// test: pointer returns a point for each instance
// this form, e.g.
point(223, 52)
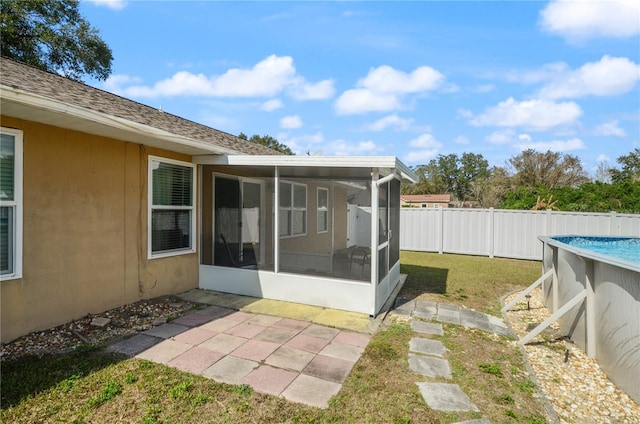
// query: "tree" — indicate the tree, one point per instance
point(490, 192)
point(630, 168)
point(429, 180)
point(268, 141)
point(451, 174)
point(603, 173)
point(52, 35)
point(551, 170)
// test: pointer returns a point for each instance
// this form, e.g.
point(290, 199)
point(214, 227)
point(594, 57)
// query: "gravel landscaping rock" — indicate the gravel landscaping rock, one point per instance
point(123, 321)
point(573, 383)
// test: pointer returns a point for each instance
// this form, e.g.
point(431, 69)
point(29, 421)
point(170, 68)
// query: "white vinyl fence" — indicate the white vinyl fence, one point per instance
point(503, 233)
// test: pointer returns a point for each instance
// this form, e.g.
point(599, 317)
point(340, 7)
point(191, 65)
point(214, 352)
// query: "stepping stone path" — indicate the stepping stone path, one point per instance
point(428, 357)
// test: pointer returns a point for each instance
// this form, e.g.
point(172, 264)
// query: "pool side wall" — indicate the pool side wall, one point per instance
point(616, 307)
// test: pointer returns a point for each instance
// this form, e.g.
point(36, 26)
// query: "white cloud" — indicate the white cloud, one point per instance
point(545, 73)
point(610, 128)
point(420, 156)
point(350, 148)
point(271, 105)
point(554, 146)
point(577, 21)
point(536, 115)
point(603, 158)
point(292, 121)
point(424, 148)
point(308, 91)
point(115, 82)
point(608, 77)
point(384, 87)
point(524, 137)
point(111, 4)
point(357, 101)
point(390, 121)
point(267, 78)
point(302, 144)
point(501, 137)
point(385, 79)
point(425, 141)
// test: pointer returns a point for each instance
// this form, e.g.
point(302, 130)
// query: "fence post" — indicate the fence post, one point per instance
point(491, 232)
point(441, 230)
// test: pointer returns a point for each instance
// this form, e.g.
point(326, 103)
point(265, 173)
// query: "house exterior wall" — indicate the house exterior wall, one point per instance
point(84, 231)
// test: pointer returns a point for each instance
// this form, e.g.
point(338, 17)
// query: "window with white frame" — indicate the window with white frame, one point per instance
point(323, 210)
point(171, 207)
point(10, 203)
point(293, 209)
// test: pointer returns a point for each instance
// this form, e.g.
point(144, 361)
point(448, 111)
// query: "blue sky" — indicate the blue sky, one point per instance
point(409, 79)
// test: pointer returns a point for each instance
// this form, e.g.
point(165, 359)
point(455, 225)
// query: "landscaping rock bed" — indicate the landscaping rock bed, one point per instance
point(574, 384)
point(123, 321)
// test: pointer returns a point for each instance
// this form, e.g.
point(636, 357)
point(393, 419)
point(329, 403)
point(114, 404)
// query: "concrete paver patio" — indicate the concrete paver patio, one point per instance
point(302, 361)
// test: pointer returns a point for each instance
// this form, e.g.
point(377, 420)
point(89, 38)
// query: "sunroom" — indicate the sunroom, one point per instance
point(316, 230)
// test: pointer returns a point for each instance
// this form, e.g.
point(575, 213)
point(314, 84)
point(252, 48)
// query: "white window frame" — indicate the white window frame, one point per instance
point(15, 204)
point(322, 209)
point(292, 208)
point(152, 207)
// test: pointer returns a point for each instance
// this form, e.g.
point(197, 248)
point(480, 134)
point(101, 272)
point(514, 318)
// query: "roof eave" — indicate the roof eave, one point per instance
point(24, 105)
point(390, 163)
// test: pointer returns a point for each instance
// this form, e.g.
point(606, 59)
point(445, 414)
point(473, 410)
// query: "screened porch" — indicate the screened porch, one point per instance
point(315, 230)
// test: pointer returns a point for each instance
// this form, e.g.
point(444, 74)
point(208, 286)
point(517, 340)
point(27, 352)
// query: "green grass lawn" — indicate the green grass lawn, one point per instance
point(90, 385)
point(475, 282)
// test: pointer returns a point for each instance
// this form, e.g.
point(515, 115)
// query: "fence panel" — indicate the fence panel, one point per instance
point(420, 230)
point(516, 233)
point(503, 233)
point(466, 231)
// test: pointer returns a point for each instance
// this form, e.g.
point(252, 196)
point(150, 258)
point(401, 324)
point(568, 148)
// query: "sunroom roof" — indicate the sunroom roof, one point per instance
point(339, 167)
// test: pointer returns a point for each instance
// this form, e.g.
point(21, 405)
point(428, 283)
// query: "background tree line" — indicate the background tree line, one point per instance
point(533, 180)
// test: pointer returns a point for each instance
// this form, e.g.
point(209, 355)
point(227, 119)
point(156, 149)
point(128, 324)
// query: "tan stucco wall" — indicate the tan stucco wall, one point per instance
point(84, 231)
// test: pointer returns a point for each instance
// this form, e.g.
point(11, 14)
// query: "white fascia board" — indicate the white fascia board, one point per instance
point(390, 163)
point(131, 127)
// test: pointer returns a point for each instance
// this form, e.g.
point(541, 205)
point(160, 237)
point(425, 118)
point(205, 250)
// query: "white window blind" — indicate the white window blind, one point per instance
point(172, 207)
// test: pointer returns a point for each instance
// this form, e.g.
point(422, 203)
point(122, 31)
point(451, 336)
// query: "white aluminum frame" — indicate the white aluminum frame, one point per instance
point(16, 203)
point(151, 207)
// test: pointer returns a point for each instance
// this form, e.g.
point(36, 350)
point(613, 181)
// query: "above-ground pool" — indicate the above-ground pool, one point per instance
point(601, 276)
point(625, 248)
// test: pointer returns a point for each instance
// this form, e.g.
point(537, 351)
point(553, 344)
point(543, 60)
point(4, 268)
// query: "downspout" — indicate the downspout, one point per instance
point(385, 179)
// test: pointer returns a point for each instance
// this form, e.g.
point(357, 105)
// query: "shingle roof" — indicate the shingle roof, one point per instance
point(61, 89)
